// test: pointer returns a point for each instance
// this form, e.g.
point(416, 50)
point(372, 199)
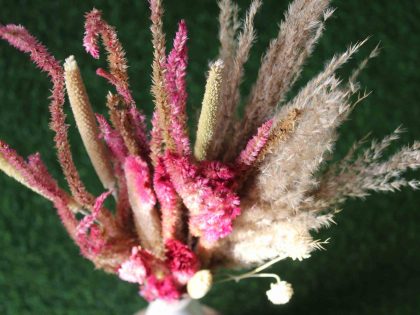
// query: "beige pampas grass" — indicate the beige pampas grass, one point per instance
point(207, 121)
point(234, 61)
point(86, 123)
point(282, 63)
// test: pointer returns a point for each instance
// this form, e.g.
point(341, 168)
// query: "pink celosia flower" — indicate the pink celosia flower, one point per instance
point(176, 66)
point(95, 26)
point(165, 288)
point(134, 270)
point(181, 261)
point(212, 203)
point(254, 146)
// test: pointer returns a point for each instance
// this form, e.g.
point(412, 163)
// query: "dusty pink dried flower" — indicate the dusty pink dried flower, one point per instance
point(181, 261)
point(165, 289)
point(213, 205)
point(176, 70)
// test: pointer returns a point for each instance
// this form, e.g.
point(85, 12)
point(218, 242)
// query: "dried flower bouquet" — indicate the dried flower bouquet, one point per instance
point(250, 191)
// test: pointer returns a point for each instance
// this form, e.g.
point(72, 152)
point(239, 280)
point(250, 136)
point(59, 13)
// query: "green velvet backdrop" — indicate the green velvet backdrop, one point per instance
point(371, 265)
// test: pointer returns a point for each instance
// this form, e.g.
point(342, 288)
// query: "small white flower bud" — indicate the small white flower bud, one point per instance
point(200, 284)
point(280, 292)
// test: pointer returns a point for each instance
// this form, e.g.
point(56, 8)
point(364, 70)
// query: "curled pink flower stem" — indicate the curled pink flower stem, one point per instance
point(20, 38)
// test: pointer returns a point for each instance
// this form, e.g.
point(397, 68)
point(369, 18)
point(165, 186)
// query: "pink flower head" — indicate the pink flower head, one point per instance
point(134, 269)
point(181, 261)
point(164, 288)
point(213, 205)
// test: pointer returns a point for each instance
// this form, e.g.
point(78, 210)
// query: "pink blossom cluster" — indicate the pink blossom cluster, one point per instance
point(160, 278)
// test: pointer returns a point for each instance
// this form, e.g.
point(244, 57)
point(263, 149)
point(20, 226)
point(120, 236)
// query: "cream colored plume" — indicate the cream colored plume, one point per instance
point(86, 123)
point(207, 121)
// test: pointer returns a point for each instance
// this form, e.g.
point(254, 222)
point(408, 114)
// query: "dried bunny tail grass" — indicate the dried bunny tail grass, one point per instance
point(356, 177)
point(20, 38)
point(86, 123)
point(232, 76)
point(281, 65)
point(158, 69)
point(207, 121)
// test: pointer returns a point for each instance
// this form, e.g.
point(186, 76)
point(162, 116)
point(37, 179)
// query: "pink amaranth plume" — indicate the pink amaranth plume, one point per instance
point(19, 37)
point(89, 235)
point(254, 146)
point(213, 205)
point(95, 26)
point(119, 152)
point(181, 261)
point(36, 176)
point(176, 66)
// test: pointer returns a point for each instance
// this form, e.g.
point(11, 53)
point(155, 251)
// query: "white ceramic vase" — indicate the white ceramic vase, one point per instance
point(184, 306)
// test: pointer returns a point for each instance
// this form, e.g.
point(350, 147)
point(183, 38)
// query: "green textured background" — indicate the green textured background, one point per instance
point(371, 265)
